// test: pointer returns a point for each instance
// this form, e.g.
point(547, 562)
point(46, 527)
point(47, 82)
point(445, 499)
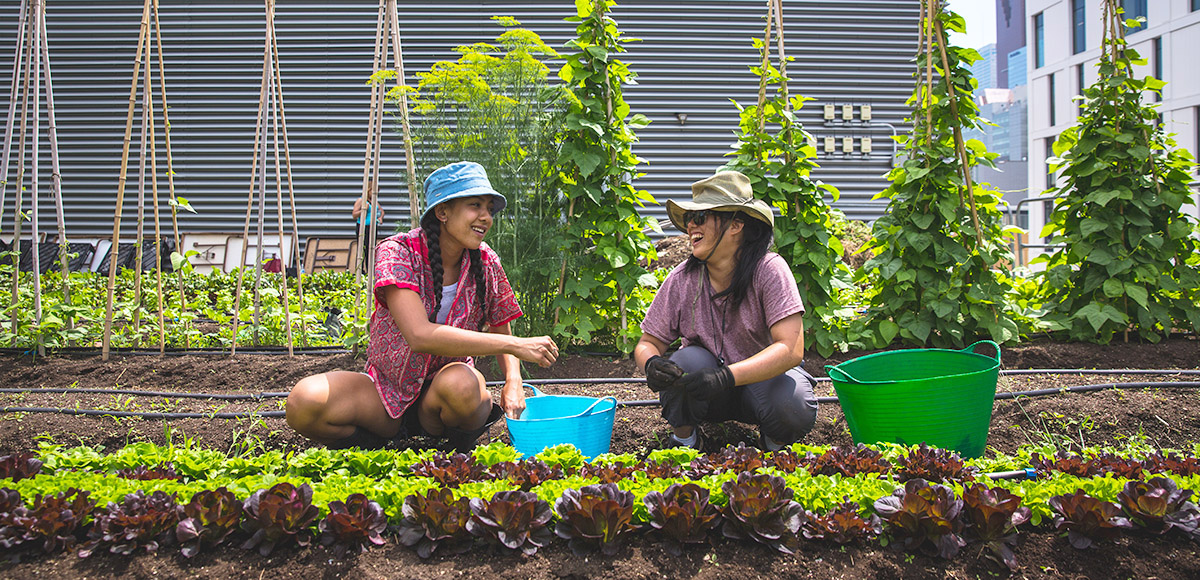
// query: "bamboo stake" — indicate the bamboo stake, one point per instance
point(410, 163)
point(762, 79)
point(12, 107)
point(783, 90)
point(17, 223)
point(258, 246)
point(277, 100)
point(139, 238)
point(258, 134)
point(56, 178)
point(959, 145)
point(287, 157)
point(162, 83)
point(148, 105)
point(114, 250)
point(369, 211)
point(927, 47)
point(39, 13)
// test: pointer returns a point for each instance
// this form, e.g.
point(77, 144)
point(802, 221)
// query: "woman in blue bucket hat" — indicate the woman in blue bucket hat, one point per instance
point(737, 309)
point(441, 298)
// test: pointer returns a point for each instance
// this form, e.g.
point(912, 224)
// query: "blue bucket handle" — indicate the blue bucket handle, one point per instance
point(586, 411)
point(996, 347)
point(845, 378)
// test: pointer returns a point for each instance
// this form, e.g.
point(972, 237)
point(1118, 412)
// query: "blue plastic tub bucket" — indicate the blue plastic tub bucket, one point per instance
point(550, 420)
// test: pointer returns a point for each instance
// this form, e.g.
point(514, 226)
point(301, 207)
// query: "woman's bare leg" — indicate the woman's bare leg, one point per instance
point(329, 406)
point(457, 398)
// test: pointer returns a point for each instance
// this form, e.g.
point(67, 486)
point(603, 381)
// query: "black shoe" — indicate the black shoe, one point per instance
point(762, 444)
point(462, 441)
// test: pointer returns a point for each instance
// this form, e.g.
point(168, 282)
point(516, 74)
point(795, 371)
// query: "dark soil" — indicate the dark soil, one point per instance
point(1166, 417)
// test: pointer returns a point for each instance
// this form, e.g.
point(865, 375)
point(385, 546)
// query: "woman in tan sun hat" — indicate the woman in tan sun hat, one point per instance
point(737, 309)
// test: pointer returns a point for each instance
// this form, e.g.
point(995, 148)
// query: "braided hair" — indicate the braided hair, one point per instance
point(433, 234)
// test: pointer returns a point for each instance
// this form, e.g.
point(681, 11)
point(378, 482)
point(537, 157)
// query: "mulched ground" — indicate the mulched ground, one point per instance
point(1167, 417)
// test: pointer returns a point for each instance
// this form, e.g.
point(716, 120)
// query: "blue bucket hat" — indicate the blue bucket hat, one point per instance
point(461, 179)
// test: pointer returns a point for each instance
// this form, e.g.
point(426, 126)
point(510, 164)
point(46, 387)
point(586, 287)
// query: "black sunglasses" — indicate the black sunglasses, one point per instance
point(695, 217)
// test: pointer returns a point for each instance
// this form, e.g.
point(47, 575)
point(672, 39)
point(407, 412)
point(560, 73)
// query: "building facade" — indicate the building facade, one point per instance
point(692, 60)
point(1063, 38)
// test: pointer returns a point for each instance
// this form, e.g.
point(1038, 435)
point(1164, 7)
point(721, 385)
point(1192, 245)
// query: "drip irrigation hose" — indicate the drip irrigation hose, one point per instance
point(635, 403)
point(260, 350)
point(226, 397)
point(141, 415)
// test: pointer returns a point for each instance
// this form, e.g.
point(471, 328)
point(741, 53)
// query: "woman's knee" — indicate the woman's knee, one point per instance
point(789, 411)
point(460, 387)
point(306, 401)
point(693, 358)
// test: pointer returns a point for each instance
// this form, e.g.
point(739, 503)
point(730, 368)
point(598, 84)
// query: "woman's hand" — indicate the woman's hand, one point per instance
point(512, 398)
point(661, 373)
point(535, 349)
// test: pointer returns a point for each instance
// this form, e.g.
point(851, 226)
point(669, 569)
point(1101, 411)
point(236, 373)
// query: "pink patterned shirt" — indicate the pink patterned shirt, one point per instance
point(403, 261)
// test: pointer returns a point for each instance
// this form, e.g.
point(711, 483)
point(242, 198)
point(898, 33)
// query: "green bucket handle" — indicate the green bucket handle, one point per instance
point(971, 349)
point(845, 377)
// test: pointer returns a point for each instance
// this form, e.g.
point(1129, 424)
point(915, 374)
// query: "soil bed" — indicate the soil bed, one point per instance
point(1166, 417)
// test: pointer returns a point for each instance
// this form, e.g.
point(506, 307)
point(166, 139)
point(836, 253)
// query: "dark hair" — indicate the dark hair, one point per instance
point(433, 234)
point(756, 241)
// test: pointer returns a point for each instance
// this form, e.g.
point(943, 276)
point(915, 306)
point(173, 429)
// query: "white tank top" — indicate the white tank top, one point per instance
point(447, 300)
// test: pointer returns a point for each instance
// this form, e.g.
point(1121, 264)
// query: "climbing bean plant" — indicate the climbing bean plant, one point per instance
point(1128, 261)
point(938, 247)
point(774, 151)
point(604, 243)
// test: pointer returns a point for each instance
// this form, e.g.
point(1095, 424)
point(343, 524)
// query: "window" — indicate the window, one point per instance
point(1158, 66)
point(1078, 26)
point(1053, 117)
point(1050, 176)
point(1039, 40)
point(1195, 5)
point(1135, 9)
point(1080, 87)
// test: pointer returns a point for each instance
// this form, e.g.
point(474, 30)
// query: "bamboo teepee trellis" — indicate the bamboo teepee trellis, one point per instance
point(143, 78)
point(387, 31)
point(270, 111)
point(32, 53)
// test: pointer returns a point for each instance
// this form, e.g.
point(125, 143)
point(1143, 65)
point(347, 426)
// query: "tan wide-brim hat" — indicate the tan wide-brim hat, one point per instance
point(724, 191)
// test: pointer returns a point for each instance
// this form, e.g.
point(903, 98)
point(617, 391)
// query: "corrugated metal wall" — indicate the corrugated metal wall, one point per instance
point(692, 59)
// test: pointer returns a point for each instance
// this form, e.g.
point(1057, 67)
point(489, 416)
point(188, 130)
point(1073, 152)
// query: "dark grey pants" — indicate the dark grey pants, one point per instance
point(784, 406)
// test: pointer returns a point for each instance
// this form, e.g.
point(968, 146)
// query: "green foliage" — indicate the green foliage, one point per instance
point(204, 320)
point(604, 243)
point(776, 153)
point(494, 106)
point(1129, 260)
point(938, 246)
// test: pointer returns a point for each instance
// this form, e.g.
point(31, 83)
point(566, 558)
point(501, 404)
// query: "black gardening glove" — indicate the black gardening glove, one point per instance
point(661, 373)
point(706, 384)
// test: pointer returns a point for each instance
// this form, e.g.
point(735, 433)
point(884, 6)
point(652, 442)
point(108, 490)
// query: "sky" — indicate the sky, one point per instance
point(981, 22)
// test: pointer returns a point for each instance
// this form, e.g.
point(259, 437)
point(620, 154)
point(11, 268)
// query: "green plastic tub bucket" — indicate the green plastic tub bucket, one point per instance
point(936, 396)
point(550, 420)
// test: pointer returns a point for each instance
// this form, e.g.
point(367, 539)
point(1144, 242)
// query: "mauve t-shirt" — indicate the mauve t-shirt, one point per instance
point(684, 308)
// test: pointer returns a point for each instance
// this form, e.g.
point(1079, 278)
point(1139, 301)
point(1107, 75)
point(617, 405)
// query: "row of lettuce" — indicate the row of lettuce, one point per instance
point(920, 499)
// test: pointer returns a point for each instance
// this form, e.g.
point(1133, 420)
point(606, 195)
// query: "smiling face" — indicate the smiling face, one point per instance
point(705, 236)
point(465, 221)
